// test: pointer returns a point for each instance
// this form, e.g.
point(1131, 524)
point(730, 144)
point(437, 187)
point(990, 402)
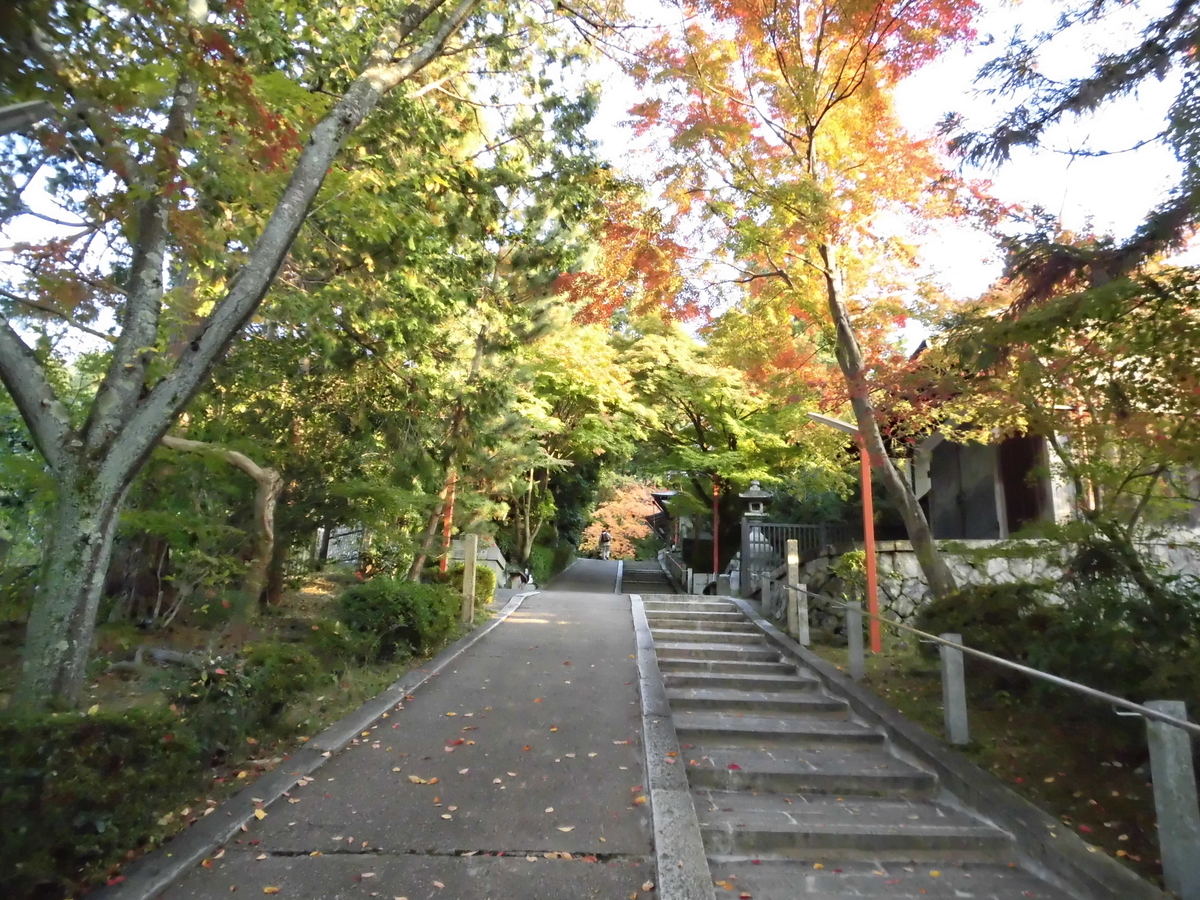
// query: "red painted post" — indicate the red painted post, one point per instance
point(716, 529)
point(869, 547)
point(447, 524)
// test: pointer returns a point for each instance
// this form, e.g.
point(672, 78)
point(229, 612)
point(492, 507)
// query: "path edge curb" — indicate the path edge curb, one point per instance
point(153, 873)
point(1048, 846)
point(681, 862)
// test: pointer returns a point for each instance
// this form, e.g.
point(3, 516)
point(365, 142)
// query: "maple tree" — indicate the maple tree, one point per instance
point(196, 143)
point(782, 136)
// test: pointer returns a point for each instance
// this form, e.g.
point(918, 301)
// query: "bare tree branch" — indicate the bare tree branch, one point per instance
point(59, 314)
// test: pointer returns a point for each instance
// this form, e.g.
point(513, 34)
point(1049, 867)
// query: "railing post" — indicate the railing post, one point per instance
point(954, 691)
point(1175, 800)
point(747, 566)
point(470, 552)
point(797, 603)
point(854, 635)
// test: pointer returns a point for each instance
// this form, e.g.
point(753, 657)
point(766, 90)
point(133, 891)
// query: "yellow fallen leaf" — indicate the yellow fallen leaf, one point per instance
point(648, 886)
point(724, 884)
point(415, 779)
point(818, 866)
point(934, 873)
point(260, 814)
point(395, 768)
point(93, 709)
point(366, 734)
point(271, 890)
point(638, 801)
point(452, 714)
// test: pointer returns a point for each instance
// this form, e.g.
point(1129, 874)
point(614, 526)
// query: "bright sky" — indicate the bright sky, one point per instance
point(1111, 192)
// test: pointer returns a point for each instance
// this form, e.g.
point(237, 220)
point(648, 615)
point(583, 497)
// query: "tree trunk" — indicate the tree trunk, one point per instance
point(431, 527)
point(849, 355)
point(269, 483)
point(58, 640)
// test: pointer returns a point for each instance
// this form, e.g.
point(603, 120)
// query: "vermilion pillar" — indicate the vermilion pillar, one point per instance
point(869, 547)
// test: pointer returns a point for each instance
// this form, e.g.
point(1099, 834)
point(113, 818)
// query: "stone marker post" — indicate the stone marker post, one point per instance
point(797, 599)
point(1175, 800)
point(954, 691)
point(858, 665)
point(470, 552)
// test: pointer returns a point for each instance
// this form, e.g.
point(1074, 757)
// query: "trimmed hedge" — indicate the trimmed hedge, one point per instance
point(76, 791)
point(402, 616)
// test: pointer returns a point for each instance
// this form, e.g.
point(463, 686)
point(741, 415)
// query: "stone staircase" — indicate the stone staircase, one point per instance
point(797, 799)
point(645, 578)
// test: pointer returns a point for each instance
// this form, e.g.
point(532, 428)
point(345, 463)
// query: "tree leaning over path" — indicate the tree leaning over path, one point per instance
point(779, 117)
point(145, 389)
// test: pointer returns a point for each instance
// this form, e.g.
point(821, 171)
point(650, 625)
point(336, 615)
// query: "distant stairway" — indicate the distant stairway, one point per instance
point(797, 799)
point(645, 578)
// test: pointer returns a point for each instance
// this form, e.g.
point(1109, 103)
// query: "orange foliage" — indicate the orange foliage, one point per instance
point(625, 518)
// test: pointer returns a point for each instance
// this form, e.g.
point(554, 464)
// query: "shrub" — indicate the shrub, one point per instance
point(401, 615)
point(564, 553)
point(541, 564)
point(77, 791)
point(485, 580)
point(337, 647)
point(1006, 620)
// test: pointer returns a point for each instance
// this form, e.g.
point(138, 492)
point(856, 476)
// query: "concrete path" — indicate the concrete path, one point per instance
point(526, 750)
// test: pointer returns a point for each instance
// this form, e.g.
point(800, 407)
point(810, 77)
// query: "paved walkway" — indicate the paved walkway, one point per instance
point(527, 748)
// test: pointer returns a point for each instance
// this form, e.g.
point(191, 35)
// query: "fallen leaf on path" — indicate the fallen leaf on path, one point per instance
point(549, 809)
point(260, 814)
point(531, 859)
point(590, 755)
point(724, 884)
point(455, 742)
point(261, 856)
point(395, 768)
point(496, 781)
point(271, 890)
point(447, 816)
point(207, 863)
point(416, 779)
point(818, 866)
point(934, 873)
point(638, 801)
point(512, 774)
point(554, 728)
point(538, 700)
point(566, 827)
point(433, 781)
point(734, 767)
point(620, 742)
point(648, 886)
point(569, 755)
point(438, 884)
point(452, 714)
point(464, 771)
point(367, 875)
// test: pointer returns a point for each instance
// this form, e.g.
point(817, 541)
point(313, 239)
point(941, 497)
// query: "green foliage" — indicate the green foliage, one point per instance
point(337, 647)
point(1002, 619)
point(485, 580)
point(77, 791)
point(541, 564)
point(1103, 631)
point(401, 616)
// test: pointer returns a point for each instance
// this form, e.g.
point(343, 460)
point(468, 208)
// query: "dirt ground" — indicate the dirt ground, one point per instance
point(1075, 759)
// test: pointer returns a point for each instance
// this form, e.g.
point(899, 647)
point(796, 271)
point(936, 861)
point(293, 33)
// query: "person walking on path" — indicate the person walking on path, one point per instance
point(605, 544)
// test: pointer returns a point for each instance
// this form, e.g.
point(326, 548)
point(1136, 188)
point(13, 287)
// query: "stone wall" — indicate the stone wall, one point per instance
point(902, 588)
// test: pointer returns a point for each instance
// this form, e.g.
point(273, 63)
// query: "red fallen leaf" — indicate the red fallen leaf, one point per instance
point(1086, 829)
point(470, 728)
point(590, 859)
point(256, 841)
point(744, 895)
point(526, 747)
point(734, 767)
point(755, 862)
point(1019, 780)
point(116, 879)
point(640, 787)
point(537, 700)
point(892, 881)
point(567, 663)
point(456, 742)
point(839, 871)
point(207, 863)
point(688, 746)
point(220, 671)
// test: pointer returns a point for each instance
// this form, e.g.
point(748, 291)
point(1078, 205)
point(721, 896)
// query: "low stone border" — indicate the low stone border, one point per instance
point(678, 847)
point(620, 576)
point(1049, 848)
point(153, 873)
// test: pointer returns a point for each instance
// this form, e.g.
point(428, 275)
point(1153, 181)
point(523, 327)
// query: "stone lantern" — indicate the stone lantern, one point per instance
point(756, 501)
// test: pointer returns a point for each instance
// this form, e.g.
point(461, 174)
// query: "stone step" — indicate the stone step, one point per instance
point(862, 772)
point(738, 679)
point(671, 666)
point(764, 732)
point(668, 604)
point(704, 650)
point(797, 701)
point(721, 614)
point(703, 635)
point(708, 623)
point(808, 827)
point(843, 879)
